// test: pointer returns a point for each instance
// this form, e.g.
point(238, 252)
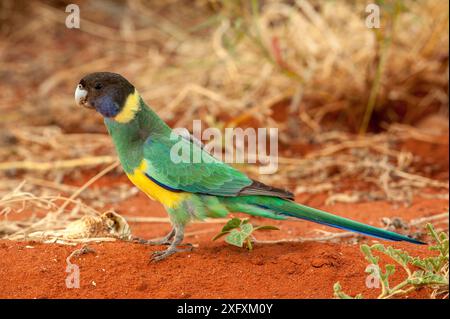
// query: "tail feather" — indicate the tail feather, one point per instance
point(292, 209)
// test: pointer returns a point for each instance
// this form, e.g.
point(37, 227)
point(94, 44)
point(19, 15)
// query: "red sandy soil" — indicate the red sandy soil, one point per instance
point(213, 269)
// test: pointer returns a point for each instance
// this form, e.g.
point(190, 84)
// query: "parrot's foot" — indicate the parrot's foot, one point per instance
point(157, 242)
point(160, 255)
point(173, 248)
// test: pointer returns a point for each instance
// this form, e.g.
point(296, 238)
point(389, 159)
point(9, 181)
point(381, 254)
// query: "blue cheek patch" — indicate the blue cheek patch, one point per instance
point(106, 106)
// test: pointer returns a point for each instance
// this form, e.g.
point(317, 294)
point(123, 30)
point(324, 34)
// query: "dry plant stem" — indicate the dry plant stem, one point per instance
point(58, 164)
point(386, 43)
point(374, 90)
point(49, 184)
point(76, 241)
point(407, 131)
point(48, 200)
point(78, 252)
point(87, 184)
point(88, 26)
point(434, 218)
point(307, 239)
point(397, 290)
point(49, 203)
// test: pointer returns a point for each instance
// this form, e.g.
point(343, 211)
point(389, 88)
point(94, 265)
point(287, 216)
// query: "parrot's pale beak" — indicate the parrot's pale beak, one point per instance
point(81, 96)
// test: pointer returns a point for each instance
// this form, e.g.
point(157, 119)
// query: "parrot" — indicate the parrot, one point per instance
point(190, 190)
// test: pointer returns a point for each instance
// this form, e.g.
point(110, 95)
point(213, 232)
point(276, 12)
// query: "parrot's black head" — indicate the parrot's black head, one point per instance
point(105, 92)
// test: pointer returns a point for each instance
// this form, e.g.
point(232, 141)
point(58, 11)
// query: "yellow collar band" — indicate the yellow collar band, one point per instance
point(131, 107)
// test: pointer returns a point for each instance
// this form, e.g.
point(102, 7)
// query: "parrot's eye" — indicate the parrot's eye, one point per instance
point(98, 86)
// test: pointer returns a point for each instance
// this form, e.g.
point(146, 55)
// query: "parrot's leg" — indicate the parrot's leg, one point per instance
point(173, 248)
point(166, 240)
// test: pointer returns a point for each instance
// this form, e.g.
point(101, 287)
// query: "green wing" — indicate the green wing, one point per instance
point(174, 164)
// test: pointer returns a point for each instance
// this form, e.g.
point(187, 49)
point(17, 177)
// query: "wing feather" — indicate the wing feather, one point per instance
point(209, 176)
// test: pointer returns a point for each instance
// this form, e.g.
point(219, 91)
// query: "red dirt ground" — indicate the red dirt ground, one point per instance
point(213, 269)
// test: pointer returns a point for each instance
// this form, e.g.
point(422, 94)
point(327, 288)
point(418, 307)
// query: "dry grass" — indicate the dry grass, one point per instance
point(217, 58)
point(370, 159)
point(310, 68)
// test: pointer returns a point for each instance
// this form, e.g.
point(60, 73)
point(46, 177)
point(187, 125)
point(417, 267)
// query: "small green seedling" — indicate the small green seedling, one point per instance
point(430, 271)
point(239, 232)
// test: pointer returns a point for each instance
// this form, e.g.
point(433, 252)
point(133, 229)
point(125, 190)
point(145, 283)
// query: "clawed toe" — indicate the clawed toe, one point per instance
point(162, 254)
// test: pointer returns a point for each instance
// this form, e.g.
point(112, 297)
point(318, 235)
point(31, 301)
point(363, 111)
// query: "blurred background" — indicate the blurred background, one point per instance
point(362, 112)
point(231, 62)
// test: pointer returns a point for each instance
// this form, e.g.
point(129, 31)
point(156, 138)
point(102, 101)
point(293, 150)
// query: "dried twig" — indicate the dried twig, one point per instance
point(61, 164)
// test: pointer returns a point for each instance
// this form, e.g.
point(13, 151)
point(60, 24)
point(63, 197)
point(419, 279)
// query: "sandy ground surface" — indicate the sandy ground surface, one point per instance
point(215, 269)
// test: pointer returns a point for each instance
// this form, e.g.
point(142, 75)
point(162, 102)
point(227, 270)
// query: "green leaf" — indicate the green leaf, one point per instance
point(231, 224)
point(432, 271)
point(399, 256)
point(433, 233)
point(427, 278)
point(235, 238)
point(246, 230)
point(338, 293)
point(390, 270)
point(366, 250)
point(379, 247)
point(238, 237)
point(222, 233)
point(423, 264)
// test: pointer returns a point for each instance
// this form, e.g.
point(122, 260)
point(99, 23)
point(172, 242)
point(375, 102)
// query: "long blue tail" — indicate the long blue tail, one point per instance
point(277, 208)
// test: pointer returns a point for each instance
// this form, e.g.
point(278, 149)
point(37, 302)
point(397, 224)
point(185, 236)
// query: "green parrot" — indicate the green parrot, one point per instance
point(189, 190)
